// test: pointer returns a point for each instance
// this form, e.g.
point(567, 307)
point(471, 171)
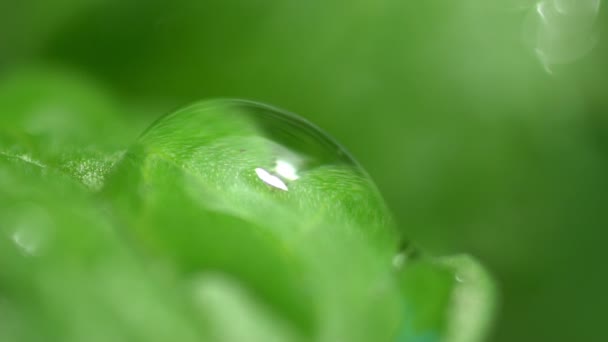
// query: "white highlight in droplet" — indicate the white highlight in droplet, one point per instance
point(286, 170)
point(270, 179)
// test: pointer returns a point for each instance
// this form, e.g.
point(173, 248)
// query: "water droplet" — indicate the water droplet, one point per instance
point(407, 252)
point(256, 193)
point(30, 228)
point(399, 260)
point(243, 152)
point(562, 31)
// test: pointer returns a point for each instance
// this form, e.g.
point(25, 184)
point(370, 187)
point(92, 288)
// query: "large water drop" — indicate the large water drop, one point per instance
point(265, 198)
point(562, 31)
point(251, 159)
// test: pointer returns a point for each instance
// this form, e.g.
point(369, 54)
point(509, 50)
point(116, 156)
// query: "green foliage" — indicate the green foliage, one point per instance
point(175, 237)
point(477, 141)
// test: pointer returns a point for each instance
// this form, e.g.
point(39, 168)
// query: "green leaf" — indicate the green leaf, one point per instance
point(66, 275)
point(62, 119)
point(189, 240)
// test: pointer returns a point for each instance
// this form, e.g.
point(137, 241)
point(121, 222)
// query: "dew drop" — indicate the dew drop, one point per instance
point(251, 157)
point(407, 252)
point(399, 260)
point(562, 31)
point(256, 193)
point(30, 228)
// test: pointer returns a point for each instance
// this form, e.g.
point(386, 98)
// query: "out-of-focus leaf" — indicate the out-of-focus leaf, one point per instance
point(54, 108)
point(66, 275)
point(188, 241)
point(64, 120)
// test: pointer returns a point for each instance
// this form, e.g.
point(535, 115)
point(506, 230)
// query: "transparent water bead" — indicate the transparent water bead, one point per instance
point(253, 158)
point(562, 31)
point(253, 193)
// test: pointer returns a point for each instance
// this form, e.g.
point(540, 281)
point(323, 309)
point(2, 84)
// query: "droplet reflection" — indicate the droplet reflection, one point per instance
point(562, 31)
point(31, 226)
point(286, 170)
point(255, 193)
point(399, 260)
point(270, 179)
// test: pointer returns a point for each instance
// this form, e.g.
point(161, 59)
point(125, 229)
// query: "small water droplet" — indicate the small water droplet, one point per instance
point(399, 260)
point(406, 253)
point(562, 31)
point(459, 278)
point(31, 227)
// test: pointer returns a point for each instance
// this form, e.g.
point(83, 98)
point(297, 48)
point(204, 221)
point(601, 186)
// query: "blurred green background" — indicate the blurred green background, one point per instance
point(484, 122)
